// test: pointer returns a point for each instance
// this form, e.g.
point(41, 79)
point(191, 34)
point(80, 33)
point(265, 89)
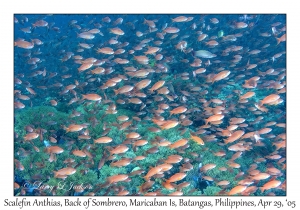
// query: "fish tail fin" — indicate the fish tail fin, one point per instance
point(278, 40)
point(66, 129)
point(206, 122)
point(261, 73)
point(134, 148)
point(194, 74)
point(262, 189)
point(54, 157)
point(161, 127)
point(116, 92)
point(55, 174)
point(222, 192)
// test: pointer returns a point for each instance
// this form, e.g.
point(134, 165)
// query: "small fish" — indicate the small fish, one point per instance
point(270, 185)
point(237, 190)
point(176, 177)
point(178, 143)
point(197, 139)
point(64, 172)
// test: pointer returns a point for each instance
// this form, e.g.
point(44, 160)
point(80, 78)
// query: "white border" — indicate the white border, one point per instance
point(119, 6)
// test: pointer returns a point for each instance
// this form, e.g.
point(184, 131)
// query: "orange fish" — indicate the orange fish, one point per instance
point(178, 110)
point(234, 136)
point(169, 124)
point(157, 85)
point(171, 30)
point(213, 118)
point(281, 39)
point(121, 163)
point(24, 44)
point(180, 19)
point(179, 143)
point(207, 167)
point(86, 35)
point(117, 178)
point(64, 172)
point(140, 74)
point(132, 135)
point(124, 89)
point(18, 105)
point(168, 185)
point(249, 190)
point(74, 128)
point(85, 66)
point(78, 153)
point(140, 143)
point(223, 183)
point(31, 136)
point(176, 193)
point(273, 171)
point(105, 50)
point(152, 50)
point(53, 103)
point(19, 165)
point(173, 159)
point(236, 190)
point(142, 84)
point(119, 149)
point(270, 185)
point(165, 167)
point(240, 25)
point(261, 108)
point(281, 144)
point(197, 139)
point(103, 140)
point(260, 176)
point(152, 172)
point(116, 31)
point(92, 97)
point(220, 76)
point(269, 99)
point(176, 177)
point(142, 59)
point(264, 130)
point(98, 70)
point(54, 149)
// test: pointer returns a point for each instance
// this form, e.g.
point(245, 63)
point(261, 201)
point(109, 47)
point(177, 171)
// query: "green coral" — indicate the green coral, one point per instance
point(38, 116)
point(152, 62)
point(211, 190)
point(89, 175)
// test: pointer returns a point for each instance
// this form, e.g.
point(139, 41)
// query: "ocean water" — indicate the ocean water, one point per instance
point(154, 104)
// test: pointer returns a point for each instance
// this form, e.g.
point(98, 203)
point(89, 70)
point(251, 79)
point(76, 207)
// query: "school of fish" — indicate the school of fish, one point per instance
point(150, 104)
